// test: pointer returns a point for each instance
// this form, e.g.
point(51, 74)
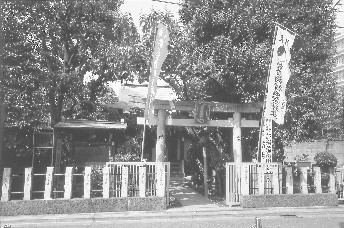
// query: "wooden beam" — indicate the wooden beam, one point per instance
point(215, 106)
point(191, 122)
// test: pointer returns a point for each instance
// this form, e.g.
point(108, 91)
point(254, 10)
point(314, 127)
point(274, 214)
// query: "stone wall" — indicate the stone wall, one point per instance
point(72, 206)
point(312, 148)
point(293, 200)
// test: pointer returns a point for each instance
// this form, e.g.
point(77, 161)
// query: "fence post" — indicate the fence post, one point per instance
point(160, 179)
point(6, 184)
point(275, 180)
point(106, 182)
point(28, 183)
point(87, 182)
point(167, 164)
point(48, 183)
point(205, 172)
point(280, 178)
point(289, 184)
point(245, 181)
point(142, 181)
point(317, 179)
point(124, 189)
point(68, 183)
point(260, 175)
point(227, 183)
point(331, 183)
point(303, 180)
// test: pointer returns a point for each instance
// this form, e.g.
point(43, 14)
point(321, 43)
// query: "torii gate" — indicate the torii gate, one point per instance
point(236, 122)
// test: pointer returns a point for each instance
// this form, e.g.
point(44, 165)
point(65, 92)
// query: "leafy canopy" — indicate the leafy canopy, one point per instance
point(58, 56)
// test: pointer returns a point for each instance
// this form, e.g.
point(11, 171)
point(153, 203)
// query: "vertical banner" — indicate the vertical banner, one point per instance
point(279, 75)
point(266, 145)
point(159, 54)
point(275, 103)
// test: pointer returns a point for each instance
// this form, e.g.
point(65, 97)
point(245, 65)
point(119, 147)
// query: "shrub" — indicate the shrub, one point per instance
point(325, 159)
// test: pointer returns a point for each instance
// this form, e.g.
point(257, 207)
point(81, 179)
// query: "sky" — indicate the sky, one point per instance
point(340, 16)
point(137, 7)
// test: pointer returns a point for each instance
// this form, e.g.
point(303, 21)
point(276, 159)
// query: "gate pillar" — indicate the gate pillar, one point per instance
point(160, 134)
point(237, 150)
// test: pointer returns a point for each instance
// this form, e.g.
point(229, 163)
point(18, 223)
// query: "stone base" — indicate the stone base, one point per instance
point(284, 200)
point(72, 206)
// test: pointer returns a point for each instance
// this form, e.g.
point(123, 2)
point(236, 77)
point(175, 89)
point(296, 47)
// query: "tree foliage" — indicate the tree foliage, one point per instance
point(238, 35)
point(222, 53)
point(325, 159)
point(58, 55)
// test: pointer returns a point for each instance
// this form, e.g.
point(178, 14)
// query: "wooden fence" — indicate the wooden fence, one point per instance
point(134, 179)
point(269, 178)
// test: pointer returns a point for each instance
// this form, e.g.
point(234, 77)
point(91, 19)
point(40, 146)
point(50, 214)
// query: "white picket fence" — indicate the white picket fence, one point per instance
point(269, 178)
point(117, 179)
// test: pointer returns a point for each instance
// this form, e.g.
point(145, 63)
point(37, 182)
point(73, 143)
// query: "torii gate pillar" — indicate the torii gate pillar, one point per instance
point(237, 148)
point(160, 134)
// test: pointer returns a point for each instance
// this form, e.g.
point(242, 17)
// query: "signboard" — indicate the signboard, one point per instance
point(202, 112)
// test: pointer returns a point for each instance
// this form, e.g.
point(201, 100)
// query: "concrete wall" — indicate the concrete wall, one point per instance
point(312, 148)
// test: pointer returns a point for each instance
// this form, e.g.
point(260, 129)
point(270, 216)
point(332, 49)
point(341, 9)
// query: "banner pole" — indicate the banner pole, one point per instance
point(143, 140)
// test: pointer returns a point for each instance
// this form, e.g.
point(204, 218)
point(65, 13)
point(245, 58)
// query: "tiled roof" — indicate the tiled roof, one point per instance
point(134, 95)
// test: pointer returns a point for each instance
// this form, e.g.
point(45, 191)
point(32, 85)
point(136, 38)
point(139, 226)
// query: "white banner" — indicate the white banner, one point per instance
point(275, 106)
point(279, 75)
point(159, 54)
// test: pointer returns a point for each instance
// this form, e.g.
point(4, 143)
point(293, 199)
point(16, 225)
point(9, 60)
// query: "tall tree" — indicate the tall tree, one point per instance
point(52, 47)
point(236, 38)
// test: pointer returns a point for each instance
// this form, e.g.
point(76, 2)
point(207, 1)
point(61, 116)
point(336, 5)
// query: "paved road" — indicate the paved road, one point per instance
point(315, 219)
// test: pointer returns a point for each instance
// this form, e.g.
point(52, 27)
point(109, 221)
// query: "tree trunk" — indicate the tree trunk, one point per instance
point(219, 190)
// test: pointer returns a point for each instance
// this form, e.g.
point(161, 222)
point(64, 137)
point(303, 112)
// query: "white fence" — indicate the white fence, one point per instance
point(269, 178)
point(115, 179)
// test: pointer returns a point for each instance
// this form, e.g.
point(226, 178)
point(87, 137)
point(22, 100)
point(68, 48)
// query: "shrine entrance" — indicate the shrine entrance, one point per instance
point(202, 112)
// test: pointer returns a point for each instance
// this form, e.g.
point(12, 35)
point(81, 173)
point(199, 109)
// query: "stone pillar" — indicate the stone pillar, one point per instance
point(6, 184)
point(87, 182)
point(160, 133)
point(28, 184)
point(142, 181)
point(48, 183)
point(237, 150)
point(160, 179)
point(332, 181)
point(261, 179)
point(205, 172)
point(106, 182)
point(275, 180)
point(245, 179)
point(125, 176)
point(303, 180)
point(317, 179)
point(289, 180)
point(68, 183)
